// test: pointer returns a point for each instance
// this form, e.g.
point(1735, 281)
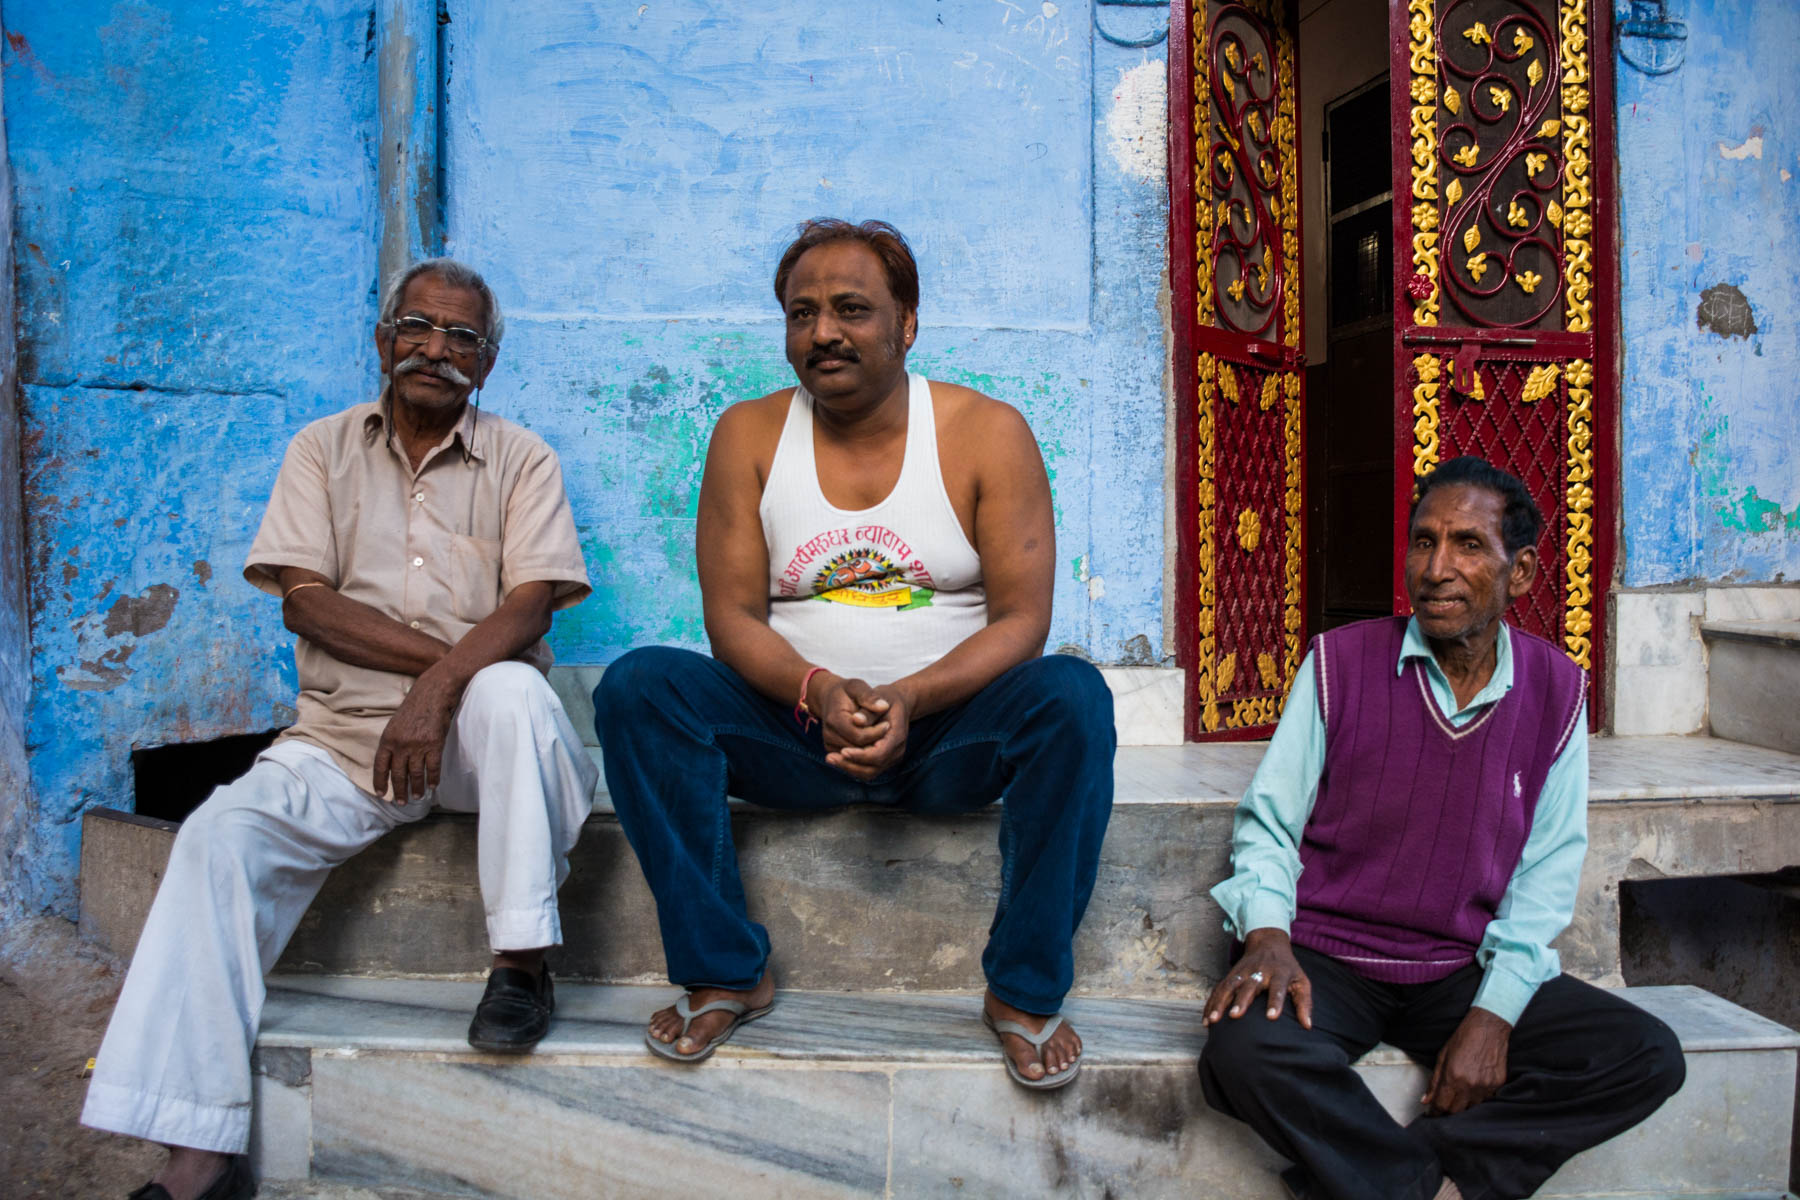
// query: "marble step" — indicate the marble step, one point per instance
point(1753, 680)
point(369, 1082)
point(873, 899)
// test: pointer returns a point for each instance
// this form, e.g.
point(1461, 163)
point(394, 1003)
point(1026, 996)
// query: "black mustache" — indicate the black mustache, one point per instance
point(843, 352)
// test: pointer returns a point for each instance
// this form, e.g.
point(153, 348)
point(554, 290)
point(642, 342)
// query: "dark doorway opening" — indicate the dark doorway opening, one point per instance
point(171, 781)
point(1737, 936)
point(1350, 396)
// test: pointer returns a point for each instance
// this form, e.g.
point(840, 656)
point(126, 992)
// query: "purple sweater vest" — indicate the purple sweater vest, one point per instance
point(1419, 825)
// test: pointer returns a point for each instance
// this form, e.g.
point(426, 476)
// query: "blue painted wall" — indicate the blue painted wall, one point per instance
point(1709, 182)
point(197, 230)
point(195, 237)
point(15, 633)
point(628, 175)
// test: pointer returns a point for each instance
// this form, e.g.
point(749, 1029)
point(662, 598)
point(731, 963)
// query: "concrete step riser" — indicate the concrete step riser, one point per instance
point(595, 1115)
point(1752, 679)
point(865, 899)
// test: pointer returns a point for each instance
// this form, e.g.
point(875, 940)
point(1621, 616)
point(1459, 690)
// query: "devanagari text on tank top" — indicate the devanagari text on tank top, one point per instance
point(879, 593)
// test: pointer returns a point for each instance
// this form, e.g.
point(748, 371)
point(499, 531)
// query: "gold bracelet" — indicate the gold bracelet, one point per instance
point(307, 584)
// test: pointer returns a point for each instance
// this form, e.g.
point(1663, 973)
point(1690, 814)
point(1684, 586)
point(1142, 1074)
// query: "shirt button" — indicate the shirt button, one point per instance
point(414, 624)
point(419, 496)
point(418, 562)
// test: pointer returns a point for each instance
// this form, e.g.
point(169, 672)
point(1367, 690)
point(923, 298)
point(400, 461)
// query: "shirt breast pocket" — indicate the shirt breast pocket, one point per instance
point(474, 576)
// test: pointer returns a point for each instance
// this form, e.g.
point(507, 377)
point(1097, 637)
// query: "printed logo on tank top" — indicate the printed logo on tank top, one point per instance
point(874, 568)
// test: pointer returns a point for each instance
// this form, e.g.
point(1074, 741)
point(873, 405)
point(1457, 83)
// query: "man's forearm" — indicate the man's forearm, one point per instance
point(504, 634)
point(767, 661)
point(352, 632)
point(973, 663)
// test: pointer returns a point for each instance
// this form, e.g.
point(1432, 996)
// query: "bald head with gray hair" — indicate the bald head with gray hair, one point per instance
point(456, 274)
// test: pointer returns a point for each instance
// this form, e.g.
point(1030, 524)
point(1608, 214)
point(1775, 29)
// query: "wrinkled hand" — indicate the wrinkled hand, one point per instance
point(411, 749)
point(1268, 965)
point(865, 728)
point(1471, 1066)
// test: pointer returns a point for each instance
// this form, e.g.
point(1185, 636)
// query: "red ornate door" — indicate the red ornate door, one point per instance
point(1235, 233)
point(1503, 278)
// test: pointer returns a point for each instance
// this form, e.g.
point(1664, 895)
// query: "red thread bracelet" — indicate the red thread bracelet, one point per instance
point(802, 714)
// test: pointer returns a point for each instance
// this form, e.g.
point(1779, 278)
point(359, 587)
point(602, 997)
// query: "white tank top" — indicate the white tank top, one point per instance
point(877, 594)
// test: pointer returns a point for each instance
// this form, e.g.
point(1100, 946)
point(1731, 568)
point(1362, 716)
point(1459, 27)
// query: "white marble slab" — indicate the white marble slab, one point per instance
point(1148, 704)
point(1768, 602)
point(1658, 663)
point(840, 1094)
point(345, 1014)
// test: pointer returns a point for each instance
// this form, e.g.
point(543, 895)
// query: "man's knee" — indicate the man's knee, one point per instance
point(1239, 1047)
point(1655, 1051)
point(1072, 692)
point(636, 682)
point(225, 829)
point(507, 687)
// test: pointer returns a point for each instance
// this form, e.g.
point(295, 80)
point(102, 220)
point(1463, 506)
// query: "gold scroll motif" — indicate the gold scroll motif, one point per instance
point(1578, 251)
point(1423, 61)
point(1203, 212)
point(1425, 413)
point(1578, 571)
point(1293, 564)
point(1286, 130)
point(1206, 372)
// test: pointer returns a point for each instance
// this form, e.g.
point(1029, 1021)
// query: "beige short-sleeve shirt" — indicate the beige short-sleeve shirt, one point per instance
point(437, 549)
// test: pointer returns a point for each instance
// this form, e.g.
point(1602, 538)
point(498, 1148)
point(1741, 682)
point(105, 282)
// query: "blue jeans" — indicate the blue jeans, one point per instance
point(681, 730)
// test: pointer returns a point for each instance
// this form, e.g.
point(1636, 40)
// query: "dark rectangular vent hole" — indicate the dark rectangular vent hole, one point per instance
point(171, 781)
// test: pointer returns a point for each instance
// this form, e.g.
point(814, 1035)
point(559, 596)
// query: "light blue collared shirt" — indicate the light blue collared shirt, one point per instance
point(1515, 950)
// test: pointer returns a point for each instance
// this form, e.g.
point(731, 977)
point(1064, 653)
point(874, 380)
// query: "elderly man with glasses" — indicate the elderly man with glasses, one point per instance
point(419, 546)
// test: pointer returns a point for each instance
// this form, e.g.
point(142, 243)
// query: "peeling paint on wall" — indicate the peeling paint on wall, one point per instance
point(1137, 125)
point(1725, 311)
point(1751, 147)
point(1711, 361)
point(210, 291)
point(214, 291)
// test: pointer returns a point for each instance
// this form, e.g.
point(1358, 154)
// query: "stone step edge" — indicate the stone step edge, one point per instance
point(606, 1021)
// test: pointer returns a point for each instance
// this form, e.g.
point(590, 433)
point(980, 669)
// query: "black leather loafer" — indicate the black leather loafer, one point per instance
point(236, 1183)
point(514, 1011)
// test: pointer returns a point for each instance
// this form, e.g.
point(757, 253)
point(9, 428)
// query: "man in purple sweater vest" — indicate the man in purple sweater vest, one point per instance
point(1408, 848)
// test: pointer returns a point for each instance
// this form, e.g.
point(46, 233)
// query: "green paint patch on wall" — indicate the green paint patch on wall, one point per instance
point(1750, 513)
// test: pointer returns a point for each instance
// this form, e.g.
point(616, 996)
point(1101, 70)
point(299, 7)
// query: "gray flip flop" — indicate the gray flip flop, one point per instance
point(740, 1011)
point(1037, 1040)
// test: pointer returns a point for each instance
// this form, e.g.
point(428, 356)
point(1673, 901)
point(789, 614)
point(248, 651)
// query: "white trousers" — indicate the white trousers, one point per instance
point(175, 1064)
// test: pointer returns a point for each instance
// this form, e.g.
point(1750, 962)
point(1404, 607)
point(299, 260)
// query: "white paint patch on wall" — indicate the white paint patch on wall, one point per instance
point(1752, 148)
point(1137, 127)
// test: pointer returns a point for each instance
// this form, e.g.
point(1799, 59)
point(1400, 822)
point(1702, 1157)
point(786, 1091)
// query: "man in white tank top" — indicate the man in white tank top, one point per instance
point(876, 557)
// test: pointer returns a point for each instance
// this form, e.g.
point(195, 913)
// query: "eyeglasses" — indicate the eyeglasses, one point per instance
point(417, 330)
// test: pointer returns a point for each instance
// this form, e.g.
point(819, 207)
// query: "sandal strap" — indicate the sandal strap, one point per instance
point(687, 1012)
point(1037, 1039)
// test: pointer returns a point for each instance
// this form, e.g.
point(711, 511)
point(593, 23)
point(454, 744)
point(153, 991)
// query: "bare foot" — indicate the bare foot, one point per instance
point(1059, 1053)
point(188, 1172)
point(665, 1024)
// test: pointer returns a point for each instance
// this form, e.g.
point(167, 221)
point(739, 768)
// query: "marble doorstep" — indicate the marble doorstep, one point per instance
point(839, 1094)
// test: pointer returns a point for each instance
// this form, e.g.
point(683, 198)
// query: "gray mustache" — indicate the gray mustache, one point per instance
point(443, 370)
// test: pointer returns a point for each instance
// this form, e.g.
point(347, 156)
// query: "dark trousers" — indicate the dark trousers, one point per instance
point(680, 730)
point(1582, 1066)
